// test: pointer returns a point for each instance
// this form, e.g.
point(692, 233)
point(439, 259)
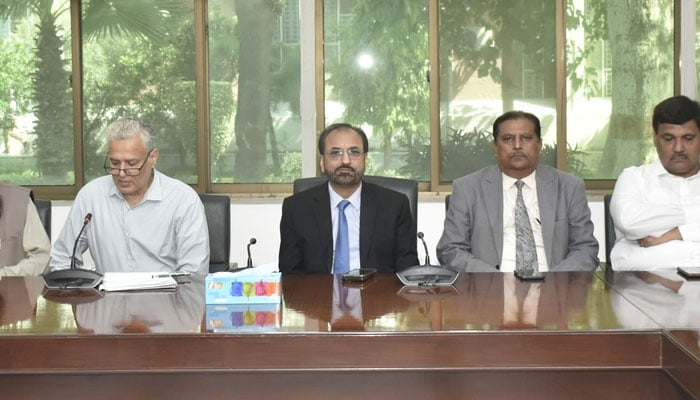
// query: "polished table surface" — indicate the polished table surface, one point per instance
point(606, 327)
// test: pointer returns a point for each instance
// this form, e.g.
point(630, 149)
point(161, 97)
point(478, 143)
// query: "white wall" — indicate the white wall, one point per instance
point(259, 218)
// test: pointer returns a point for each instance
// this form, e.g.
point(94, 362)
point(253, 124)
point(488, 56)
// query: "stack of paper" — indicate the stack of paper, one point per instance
point(118, 281)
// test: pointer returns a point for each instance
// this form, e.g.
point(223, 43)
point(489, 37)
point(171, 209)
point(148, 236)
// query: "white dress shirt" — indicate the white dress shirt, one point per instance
point(648, 201)
point(510, 194)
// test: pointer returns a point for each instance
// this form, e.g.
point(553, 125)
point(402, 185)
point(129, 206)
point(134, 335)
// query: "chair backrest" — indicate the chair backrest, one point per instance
point(609, 230)
point(408, 187)
point(218, 212)
point(43, 207)
point(447, 202)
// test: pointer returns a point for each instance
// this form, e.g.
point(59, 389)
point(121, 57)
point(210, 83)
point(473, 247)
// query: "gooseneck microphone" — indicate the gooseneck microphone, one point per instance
point(73, 278)
point(427, 275)
point(425, 246)
point(250, 259)
point(86, 221)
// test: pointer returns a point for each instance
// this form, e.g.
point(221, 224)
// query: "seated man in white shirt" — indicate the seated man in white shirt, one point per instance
point(142, 220)
point(656, 207)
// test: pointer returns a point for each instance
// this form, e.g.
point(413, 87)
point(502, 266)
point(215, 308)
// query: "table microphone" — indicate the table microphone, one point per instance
point(250, 259)
point(427, 275)
point(73, 278)
point(425, 246)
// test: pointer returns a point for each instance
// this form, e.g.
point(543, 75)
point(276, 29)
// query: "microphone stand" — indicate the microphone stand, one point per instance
point(425, 246)
point(249, 263)
point(73, 278)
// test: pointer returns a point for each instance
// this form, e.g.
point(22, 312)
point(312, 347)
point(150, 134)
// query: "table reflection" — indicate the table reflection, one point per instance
point(341, 306)
point(493, 301)
point(18, 298)
point(667, 298)
point(671, 301)
point(175, 311)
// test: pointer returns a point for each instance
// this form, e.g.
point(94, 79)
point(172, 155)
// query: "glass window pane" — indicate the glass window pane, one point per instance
point(495, 56)
point(36, 104)
point(138, 60)
point(376, 65)
point(254, 76)
point(620, 65)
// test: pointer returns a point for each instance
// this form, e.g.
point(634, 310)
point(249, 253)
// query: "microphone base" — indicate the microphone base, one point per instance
point(428, 275)
point(71, 279)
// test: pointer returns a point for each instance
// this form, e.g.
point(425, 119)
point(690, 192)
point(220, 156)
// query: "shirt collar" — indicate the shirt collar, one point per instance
point(154, 191)
point(354, 198)
point(509, 181)
point(658, 170)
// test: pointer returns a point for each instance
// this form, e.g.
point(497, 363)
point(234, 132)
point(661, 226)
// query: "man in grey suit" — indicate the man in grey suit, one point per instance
point(479, 232)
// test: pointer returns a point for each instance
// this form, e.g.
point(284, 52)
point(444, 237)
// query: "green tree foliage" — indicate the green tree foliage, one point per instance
point(639, 33)
point(16, 61)
point(518, 30)
point(392, 94)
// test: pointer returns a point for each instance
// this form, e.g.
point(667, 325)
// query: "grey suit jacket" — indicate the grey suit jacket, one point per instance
point(472, 239)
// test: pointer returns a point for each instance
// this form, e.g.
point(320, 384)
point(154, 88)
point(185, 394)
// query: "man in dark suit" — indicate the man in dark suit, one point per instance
point(380, 230)
point(480, 233)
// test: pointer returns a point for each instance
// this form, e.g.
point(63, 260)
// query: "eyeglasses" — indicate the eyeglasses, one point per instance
point(353, 153)
point(127, 171)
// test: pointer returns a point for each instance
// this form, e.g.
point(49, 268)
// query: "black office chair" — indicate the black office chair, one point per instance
point(43, 207)
point(408, 187)
point(447, 202)
point(610, 236)
point(218, 212)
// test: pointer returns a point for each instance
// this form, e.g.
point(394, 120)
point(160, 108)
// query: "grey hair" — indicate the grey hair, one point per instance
point(125, 128)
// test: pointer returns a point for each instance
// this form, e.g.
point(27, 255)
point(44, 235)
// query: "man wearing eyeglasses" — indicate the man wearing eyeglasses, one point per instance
point(378, 227)
point(142, 220)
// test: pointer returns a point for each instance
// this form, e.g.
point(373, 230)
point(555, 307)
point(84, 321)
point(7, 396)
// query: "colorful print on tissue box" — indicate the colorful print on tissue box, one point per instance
point(237, 288)
point(243, 317)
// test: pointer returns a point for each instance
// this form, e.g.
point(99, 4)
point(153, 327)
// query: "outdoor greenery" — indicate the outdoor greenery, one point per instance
point(138, 60)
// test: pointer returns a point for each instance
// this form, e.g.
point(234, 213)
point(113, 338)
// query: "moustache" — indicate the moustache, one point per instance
point(344, 171)
point(679, 156)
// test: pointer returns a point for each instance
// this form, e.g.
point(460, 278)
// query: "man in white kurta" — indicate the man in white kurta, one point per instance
point(656, 207)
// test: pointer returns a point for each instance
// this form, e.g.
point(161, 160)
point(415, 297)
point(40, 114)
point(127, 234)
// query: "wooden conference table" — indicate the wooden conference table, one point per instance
point(575, 335)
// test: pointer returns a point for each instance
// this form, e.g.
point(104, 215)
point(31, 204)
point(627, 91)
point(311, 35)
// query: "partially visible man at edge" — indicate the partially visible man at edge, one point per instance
point(656, 206)
point(142, 220)
point(24, 243)
point(381, 230)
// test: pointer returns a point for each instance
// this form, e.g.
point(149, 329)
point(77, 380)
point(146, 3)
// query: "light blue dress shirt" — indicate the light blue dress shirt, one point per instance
point(166, 232)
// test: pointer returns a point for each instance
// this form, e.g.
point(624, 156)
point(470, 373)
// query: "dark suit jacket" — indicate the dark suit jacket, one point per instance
point(472, 239)
point(387, 231)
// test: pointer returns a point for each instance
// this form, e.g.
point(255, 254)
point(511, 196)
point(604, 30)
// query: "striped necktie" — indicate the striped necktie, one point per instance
point(525, 251)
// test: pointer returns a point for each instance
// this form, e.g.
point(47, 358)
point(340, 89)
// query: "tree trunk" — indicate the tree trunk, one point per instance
point(632, 38)
point(53, 109)
point(256, 22)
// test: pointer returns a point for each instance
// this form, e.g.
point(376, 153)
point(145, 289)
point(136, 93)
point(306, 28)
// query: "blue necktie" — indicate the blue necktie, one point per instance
point(342, 243)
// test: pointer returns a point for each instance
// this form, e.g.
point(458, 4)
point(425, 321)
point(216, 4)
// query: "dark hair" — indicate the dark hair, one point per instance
point(676, 110)
point(341, 125)
point(510, 115)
